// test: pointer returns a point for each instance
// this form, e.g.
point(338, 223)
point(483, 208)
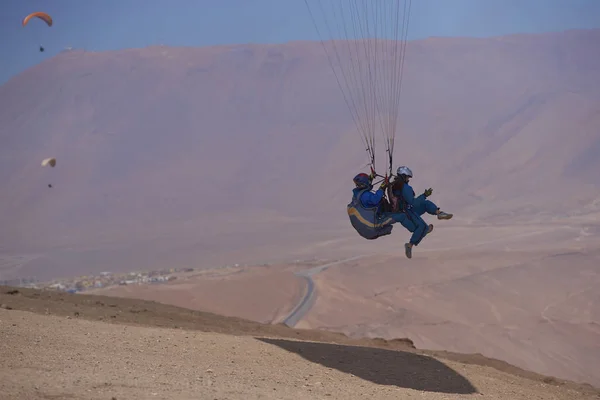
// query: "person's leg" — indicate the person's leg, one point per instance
point(425, 206)
point(443, 215)
point(404, 220)
point(429, 207)
point(414, 224)
point(421, 230)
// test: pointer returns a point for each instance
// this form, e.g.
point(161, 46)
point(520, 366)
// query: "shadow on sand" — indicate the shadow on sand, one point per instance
point(384, 367)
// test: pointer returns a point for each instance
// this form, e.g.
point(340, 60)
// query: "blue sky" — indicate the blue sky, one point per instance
point(116, 24)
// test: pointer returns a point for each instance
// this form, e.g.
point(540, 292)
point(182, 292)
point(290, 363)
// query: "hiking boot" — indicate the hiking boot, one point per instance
point(408, 250)
point(444, 215)
point(429, 229)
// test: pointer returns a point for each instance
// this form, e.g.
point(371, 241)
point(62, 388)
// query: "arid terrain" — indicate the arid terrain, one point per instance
point(210, 157)
point(260, 293)
point(536, 309)
point(527, 295)
point(58, 345)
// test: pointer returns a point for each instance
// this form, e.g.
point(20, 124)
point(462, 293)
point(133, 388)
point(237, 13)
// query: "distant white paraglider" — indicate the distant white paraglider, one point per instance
point(49, 161)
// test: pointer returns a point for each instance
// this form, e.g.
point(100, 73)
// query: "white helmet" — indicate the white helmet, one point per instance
point(404, 170)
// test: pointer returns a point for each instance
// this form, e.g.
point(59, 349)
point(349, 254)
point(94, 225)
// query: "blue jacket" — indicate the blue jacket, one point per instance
point(408, 195)
point(368, 198)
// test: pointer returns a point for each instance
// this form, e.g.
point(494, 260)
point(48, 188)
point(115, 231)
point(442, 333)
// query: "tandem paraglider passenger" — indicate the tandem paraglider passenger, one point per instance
point(403, 200)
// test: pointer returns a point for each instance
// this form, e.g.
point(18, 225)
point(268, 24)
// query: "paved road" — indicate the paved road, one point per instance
point(307, 301)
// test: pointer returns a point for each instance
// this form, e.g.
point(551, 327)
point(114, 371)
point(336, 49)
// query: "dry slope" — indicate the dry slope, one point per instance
point(203, 156)
point(68, 353)
point(532, 306)
point(264, 294)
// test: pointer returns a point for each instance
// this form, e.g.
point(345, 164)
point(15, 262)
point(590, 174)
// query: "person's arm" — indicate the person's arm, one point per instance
point(371, 199)
point(408, 194)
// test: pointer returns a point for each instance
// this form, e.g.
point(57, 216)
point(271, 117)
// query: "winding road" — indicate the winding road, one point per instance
point(305, 304)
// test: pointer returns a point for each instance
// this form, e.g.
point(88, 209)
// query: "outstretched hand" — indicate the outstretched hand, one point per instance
point(428, 192)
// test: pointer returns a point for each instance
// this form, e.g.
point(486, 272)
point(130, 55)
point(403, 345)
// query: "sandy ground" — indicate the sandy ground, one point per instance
point(268, 293)
point(510, 293)
point(59, 345)
point(53, 357)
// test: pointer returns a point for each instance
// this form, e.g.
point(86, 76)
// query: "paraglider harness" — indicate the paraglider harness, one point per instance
point(396, 203)
point(369, 221)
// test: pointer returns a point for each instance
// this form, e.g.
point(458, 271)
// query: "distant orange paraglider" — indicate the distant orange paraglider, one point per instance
point(39, 14)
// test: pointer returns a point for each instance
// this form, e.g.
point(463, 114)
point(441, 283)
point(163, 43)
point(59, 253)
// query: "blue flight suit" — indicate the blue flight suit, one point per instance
point(414, 207)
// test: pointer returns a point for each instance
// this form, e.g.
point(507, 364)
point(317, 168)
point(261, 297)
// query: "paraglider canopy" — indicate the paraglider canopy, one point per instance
point(49, 161)
point(38, 14)
point(365, 43)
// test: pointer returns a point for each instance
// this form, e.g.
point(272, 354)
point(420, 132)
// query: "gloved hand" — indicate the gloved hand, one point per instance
point(385, 183)
point(428, 192)
point(372, 175)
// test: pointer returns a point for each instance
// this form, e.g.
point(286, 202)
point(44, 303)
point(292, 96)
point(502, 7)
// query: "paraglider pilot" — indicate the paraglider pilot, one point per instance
point(372, 216)
point(369, 212)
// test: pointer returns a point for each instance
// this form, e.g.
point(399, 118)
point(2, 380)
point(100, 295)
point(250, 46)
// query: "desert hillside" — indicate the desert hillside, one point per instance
point(57, 345)
point(215, 155)
point(243, 155)
point(538, 310)
point(525, 295)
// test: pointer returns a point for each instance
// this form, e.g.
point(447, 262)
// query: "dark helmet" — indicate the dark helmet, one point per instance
point(362, 181)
